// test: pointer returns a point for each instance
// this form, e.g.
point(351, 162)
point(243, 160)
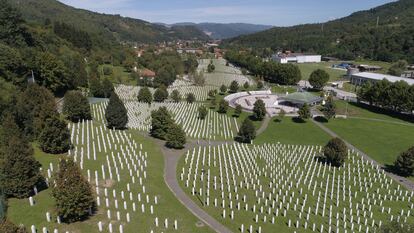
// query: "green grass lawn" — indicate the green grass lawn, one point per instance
point(382, 141)
point(385, 65)
point(307, 68)
point(290, 132)
point(119, 75)
point(168, 206)
point(282, 89)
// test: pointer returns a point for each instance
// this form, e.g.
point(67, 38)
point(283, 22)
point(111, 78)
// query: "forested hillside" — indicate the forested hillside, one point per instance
point(354, 36)
point(103, 26)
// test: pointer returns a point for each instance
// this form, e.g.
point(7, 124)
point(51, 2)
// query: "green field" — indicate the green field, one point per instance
point(382, 141)
point(290, 132)
point(307, 68)
point(119, 75)
point(168, 206)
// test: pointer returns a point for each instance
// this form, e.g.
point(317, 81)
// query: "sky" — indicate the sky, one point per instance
point(269, 12)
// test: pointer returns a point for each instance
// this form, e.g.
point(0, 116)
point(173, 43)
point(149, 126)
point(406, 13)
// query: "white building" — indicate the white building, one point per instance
point(360, 78)
point(296, 58)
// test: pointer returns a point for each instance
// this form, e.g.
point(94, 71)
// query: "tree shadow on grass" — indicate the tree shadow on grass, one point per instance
point(298, 120)
point(321, 119)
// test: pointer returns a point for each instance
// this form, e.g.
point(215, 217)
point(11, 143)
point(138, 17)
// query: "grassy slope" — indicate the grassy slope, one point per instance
point(290, 132)
point(308, 68)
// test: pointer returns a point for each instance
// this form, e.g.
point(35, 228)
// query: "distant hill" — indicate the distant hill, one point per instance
point(226, 30)
point(354, 36)
point(112, 27)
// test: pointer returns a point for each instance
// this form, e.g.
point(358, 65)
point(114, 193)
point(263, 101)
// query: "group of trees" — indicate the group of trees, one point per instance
point(164, 127)
point(285, 74)
point(397, 96)
point(100, 88)
point(79, 38)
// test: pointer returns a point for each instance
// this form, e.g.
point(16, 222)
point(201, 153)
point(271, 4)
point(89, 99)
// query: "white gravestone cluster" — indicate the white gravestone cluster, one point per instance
point(286, 186)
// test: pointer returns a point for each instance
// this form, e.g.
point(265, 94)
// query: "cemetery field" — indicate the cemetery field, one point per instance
point(334, 74)
point(260, 188)
point(125, 170)
point(222, 74)
point(290, 132)
point(382, 141)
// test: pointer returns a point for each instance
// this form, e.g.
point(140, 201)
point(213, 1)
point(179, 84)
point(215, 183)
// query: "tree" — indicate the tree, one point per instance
point(76, 106)
point(19, 170)
point(318, 79)
point(6, 226)
point(144, 95)
point(116, 114)
point(234, 86)
point(260, 85)
point(211, 67)
point(176, 96)
point(198, 78)
point(223, 89)
point(246, 85)
point(176, 137)
point(107, 70)
point(161, 121)
point(34, 106)
point(213, 102)
point(281, 115)
point(190, 98)
point(223, 106)
point(211, 93)
point(160, 94)
point(202, 112)
point(107, 88)
point(335, 152)
point(329, 110)
point(73, 195)
point(404, 164)
point(396, 227)
point(96, 88)
point(259, 110)
point(398, 68)
point(51, 73)
point(247, 131)
point(55, 137)
point(238, 110)
point(304, 112)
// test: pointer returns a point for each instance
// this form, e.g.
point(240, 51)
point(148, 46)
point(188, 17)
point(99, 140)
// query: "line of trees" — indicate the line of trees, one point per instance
point(285, 74)
point(398, 96)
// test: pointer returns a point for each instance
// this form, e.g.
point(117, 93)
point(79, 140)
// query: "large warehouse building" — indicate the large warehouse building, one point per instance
point(284, 58)
point(360, 78)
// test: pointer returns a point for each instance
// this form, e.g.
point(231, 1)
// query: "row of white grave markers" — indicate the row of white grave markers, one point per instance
point(115, 164)
point(130, 93)
point(287, 185)
point(215, 126)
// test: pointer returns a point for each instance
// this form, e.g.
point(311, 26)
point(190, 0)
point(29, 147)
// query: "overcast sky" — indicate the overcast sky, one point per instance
point(270, 12)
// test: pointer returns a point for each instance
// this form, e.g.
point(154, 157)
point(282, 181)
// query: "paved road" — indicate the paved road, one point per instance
point(264, 125)
point(171, 158)
point(402, 180)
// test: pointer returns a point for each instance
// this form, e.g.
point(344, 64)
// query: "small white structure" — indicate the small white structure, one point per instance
point(296, 58)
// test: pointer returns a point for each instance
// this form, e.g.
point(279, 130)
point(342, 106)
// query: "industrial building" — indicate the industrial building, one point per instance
point(285, 58)
point(360, 78)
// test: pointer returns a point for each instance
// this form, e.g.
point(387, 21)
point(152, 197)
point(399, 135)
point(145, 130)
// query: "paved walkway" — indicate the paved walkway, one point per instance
point(263, 126)
point(402, 180)
point(171, 158)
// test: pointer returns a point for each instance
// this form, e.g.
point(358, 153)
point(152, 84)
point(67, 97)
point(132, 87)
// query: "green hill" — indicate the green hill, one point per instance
point(112, 27)
point(357, 35)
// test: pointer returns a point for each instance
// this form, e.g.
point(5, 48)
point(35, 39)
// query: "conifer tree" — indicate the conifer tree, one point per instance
point(76, 106)
point(160, 94)
point(190, 98)
point(175, 137)
point(247, 131)
point(259, 110)
point(72, 193)
point(223, 106)
point(234, 86)
point(19, 170)
point(335, 152)
point(404, 164)
point(144, 95)
point(161, 121)
point(55, 137)
point(116, 114)
point(202, 112)
point(304, 112)
point(223, 89)
point(107, 88)
point(176, 96)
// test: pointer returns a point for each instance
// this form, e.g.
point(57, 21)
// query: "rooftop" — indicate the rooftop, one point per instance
point(379, 77)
